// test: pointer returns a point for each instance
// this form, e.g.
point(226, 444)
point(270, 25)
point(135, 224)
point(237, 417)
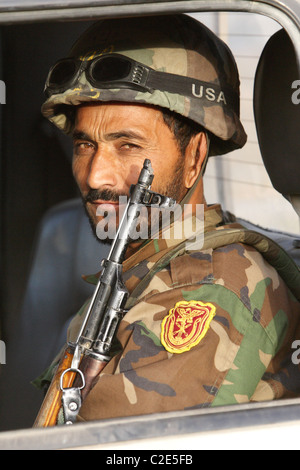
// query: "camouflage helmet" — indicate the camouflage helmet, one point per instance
point(195, 74)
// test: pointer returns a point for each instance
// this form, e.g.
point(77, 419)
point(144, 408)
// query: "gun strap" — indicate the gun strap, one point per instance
point(270, 250)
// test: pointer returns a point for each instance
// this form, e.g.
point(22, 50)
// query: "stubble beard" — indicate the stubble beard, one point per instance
point(174, 189)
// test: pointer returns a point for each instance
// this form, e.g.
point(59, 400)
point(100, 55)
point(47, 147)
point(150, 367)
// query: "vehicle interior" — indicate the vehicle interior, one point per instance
point(46, 243)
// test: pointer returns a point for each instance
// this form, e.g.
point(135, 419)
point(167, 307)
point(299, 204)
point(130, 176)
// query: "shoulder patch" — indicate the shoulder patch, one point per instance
point(186, 325)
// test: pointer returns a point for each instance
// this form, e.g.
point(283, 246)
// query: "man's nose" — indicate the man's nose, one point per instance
point(102, 172)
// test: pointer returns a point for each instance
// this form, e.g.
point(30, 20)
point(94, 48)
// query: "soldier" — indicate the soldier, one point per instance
point(214, 325)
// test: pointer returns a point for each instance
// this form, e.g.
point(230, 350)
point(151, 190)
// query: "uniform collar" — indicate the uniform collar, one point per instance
point(154, 249)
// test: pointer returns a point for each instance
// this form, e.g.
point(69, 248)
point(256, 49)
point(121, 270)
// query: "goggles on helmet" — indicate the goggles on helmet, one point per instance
point(117, 71)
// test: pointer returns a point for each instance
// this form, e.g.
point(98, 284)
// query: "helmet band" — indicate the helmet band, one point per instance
point(112, 71)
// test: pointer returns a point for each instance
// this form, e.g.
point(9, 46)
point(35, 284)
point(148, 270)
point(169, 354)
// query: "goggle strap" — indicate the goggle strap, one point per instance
point(193, 88)
point(148, 80)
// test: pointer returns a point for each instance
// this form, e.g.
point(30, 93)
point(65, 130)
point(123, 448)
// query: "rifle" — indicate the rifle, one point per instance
point(82, 361)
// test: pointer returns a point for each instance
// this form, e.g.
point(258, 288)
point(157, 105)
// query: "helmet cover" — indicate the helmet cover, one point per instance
point(176, 44)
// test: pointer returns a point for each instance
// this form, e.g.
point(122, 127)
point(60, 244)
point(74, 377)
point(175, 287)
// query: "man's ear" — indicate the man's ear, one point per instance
point(194, 158)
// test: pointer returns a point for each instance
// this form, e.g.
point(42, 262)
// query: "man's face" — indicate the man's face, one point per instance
point(111, 142)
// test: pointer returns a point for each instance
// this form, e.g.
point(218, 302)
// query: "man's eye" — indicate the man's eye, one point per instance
point(83, 148)
point(129, 146)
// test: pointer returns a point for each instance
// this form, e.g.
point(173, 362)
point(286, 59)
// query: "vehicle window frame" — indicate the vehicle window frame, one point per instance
point(193, 422)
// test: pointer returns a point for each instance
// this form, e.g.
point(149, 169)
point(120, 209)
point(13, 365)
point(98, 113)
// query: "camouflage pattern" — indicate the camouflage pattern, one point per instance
point(246, 352)
point(176, 44)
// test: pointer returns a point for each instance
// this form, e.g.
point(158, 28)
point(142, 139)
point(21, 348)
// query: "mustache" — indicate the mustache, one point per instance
point(103, 195)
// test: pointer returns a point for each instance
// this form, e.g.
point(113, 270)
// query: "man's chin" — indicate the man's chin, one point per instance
point(106, 239)
point(94, 223)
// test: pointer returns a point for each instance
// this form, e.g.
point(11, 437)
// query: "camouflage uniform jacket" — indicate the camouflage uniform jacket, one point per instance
point(227, 341)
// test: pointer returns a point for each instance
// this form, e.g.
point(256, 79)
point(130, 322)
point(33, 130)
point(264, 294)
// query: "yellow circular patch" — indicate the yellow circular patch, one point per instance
point(186, 325)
